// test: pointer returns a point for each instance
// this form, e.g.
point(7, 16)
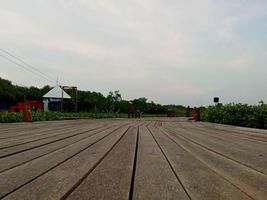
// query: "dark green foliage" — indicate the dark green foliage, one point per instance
point(92, 102)
point(123, 106)
point(8, 117)
point(254, 116)
point(11, 94)
point(7, 92)
point(179, 110)
point(113, 101)
point(140, 104)
point(157, 109)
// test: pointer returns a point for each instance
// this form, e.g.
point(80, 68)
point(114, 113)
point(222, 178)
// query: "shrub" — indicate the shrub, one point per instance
point(254, 116)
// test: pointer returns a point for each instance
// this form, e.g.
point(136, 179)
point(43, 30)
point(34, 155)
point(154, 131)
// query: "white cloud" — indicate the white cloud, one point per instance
point(14, 24)
point(6, 75)
point(237, 64)
point(179, 47)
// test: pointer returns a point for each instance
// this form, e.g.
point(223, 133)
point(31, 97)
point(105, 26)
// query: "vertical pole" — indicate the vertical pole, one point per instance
point(76, 100)
point(62, 100)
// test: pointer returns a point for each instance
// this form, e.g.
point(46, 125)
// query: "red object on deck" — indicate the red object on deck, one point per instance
point(27, 115)
point(197, 116)
point(133, 113)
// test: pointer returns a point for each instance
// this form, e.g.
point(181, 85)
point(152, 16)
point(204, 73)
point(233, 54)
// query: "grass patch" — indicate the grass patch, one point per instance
point(9, 117)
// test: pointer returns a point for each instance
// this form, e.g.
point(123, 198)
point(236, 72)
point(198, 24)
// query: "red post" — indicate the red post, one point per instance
point(197, 115)
point(27, 115)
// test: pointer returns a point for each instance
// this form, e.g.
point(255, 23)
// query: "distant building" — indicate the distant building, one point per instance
point(55, 99)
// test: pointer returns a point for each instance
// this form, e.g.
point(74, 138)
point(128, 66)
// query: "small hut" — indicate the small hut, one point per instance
point(55, 99)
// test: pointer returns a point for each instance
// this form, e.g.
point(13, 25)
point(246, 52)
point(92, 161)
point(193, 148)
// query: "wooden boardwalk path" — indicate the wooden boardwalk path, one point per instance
point(132, 159)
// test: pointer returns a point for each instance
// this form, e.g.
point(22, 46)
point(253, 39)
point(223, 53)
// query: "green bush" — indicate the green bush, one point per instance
point(254, 116)
point(6, 117)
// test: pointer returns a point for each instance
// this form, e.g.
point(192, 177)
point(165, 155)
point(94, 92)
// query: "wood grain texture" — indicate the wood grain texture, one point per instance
point(165, 158)
point(112, 178)
point(154, 178)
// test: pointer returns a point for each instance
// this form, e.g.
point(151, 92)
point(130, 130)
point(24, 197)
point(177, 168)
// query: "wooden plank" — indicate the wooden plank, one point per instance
point(112, 177)
point(29, 129)
point(229, 132)
point(154, 178)
point(60, 180)
point(38, 143)
point(45, 132)
point(238, 129)
point(26, 156)
point(252, 145)
point(16, 141)
point(12, 129)
point(176, 160)
point(36, 127)
point(251, 182)
point(195, 176)
point(250, 154)
point(13, 179)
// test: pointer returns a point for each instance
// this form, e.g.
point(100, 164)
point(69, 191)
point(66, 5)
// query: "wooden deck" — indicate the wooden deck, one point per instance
point(132, 159)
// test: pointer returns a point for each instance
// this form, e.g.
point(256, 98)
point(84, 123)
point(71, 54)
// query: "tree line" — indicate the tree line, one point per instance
point(87, 101)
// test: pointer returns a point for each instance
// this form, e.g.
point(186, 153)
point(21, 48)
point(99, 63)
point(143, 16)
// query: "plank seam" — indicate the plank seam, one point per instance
point(83, 132)
point(237, 129)
point(134, 166)
point(40, 132)
point(60, 163)
point(51, 136)
point(232, 133)
point(203, 146)
point(93, 168)
point(165, 133)
point(57, 148)
point(176, 175)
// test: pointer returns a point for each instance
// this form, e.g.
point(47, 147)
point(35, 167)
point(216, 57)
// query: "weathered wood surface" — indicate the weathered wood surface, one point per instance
point(157, 158)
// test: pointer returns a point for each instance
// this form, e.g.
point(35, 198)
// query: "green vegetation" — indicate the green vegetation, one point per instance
point(11, 94)
point(254, 116)
point(8, 117)
point(91, 102)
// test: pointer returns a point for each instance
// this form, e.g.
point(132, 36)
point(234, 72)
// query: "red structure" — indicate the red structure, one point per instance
point(171, 113)
point(133, 113)
point(27, 115)
point(32, 104)
point(196, 115)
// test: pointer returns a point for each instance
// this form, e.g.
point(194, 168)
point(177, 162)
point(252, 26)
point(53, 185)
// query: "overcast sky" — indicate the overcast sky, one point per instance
point(170, 51)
